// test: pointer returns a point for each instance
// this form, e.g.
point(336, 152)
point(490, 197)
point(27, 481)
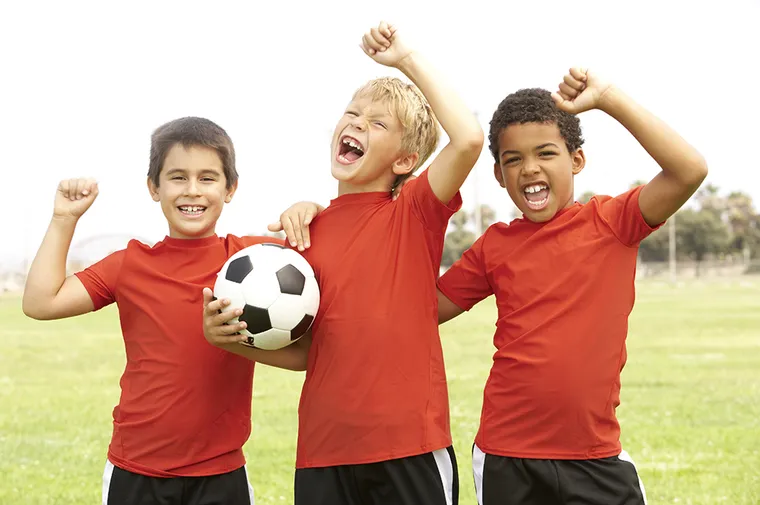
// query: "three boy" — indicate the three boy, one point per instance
point(373, 417)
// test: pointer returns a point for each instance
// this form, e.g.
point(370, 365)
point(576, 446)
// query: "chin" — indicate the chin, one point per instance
point(345, 173)
point(540, 216)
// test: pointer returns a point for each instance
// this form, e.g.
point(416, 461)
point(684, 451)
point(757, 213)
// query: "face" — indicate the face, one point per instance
point(366, 147)
point(536, 169)
point(192, 191)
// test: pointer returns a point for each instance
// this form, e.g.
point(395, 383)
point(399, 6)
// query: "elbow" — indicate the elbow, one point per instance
point(300, 367)
point(695, 174)
point(32, 310)
point(700, 171)
point(472, 143)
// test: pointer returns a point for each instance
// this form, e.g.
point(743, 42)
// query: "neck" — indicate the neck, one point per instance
point(175, 234)
point(379, 185)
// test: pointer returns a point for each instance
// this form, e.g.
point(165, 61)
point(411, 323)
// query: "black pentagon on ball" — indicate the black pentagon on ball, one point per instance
point(301, 327)
point(238, 269)
point(291, 280)
point(256, 318)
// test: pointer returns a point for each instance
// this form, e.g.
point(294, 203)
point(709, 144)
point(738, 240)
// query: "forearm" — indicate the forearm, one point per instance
point(293, 357)
point(456, 119)
point(48, 271)
point(678, 160)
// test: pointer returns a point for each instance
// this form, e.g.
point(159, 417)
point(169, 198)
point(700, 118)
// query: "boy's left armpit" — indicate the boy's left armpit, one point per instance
point(433, 213)
point(623, 215)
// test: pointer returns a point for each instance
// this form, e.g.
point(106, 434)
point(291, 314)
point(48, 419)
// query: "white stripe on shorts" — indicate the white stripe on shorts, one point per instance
point(478, 462)
point(107, 473)
point(250, 487)
point(624, 456)
point(446, 471)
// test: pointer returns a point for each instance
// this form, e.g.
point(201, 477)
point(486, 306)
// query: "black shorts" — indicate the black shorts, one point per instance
point(427, 479)
point(517, 481)
point(121, 487)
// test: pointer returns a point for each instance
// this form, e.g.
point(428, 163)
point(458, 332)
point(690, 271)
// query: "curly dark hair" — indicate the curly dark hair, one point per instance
point(534, 105)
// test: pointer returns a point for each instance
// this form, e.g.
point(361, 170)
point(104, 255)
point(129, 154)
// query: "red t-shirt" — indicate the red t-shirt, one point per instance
point(564, 290)
point(185, 406)
point(375, 384)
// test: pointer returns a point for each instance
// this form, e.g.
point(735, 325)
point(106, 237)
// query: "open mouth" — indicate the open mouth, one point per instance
point(349, 150)
point(536, 195)
point(191, 210)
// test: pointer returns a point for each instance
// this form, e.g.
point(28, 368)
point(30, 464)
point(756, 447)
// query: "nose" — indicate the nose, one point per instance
point(530, 167)
point(192, 188)
point(358, 124)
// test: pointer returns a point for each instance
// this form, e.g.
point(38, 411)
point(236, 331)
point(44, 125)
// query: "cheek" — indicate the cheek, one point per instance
point(219, 195)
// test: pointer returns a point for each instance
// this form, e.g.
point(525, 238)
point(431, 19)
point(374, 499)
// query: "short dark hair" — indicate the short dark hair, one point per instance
point(534, 105)
point(192, 131)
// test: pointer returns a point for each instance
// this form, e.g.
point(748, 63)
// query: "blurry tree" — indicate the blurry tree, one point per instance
point(586, 196)
point(701, 232)
point(458, 240)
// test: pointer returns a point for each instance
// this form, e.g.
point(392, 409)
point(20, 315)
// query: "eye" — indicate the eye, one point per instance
point(381, 125)
point(177, 178)
point(208, 179)
point(351, 113)
point(547, 153)
point(509, 161)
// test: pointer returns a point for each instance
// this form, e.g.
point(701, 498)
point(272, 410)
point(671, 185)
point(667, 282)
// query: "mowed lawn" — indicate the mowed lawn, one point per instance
point(690, 412)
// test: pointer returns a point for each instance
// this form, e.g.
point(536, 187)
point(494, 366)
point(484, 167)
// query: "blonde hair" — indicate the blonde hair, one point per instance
point(413, 111)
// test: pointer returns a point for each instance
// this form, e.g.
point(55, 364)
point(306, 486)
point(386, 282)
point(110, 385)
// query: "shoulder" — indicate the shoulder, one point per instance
point(625, 195)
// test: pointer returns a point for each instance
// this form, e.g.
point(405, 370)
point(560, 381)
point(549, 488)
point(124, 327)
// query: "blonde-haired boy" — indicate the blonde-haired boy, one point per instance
point(374, 414)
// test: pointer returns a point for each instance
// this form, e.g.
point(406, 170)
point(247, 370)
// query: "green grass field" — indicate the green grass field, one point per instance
point(690, 403)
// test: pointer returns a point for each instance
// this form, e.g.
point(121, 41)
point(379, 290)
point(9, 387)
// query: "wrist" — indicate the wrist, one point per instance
point(612, 100)
point(408, 63)
point(64, 220)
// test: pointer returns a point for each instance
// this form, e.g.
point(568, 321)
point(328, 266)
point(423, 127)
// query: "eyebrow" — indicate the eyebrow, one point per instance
point(535, 149)
point(202, 171)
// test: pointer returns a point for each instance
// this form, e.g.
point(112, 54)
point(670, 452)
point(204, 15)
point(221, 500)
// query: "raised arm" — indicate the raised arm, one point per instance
point(683, 168)
point(48, 293)
point(453, 164)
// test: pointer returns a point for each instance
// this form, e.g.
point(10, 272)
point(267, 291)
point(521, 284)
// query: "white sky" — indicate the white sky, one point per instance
point(83, 84)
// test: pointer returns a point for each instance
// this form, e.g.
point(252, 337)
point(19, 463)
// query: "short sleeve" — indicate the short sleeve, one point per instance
point(433, 213)
point(623, 216)
point(100, 279)
point(466, 283)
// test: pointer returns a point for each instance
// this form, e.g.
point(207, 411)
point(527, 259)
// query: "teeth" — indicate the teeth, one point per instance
point(192, 208)
point(535, 188)
point(353, 144)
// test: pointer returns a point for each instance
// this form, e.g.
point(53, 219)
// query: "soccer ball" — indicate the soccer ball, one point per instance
point(277, 291)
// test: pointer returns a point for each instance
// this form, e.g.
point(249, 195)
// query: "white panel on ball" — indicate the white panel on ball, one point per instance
point(271, 339)
point(310, 296)
point(261, 288)
point(286, 312)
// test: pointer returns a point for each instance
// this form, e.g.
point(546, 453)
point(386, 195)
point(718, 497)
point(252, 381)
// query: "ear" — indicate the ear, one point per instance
point(230, 193)
point(405, 164)
point(579, 160)
point(153, 191)
point(498, 174)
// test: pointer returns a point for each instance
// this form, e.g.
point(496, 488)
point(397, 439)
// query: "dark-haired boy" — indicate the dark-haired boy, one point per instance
point(185, 407)
point(563, 276)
